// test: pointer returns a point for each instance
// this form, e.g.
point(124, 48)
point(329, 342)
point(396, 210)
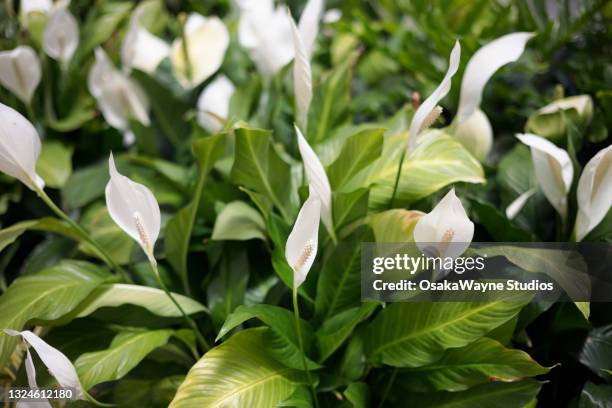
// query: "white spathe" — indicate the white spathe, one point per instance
point(61, 35)
point(19, 148)
point(303, 241)
point(214, 104)
point(119, 97)
point(481, 67)
point(207, 41)
point(583, 104)
point(31, 374)
point(134, 209)
point(56, 362)
point(594, 192)
point(302, 77)
point(20, 72)
point(141, 49)
point(38, 6)
point(426, 108)
point(517, 205)
point(309, 24)
point(446, 229)
point(476, 134)
point(553, 170)
point(318, 183)
point(265, 34)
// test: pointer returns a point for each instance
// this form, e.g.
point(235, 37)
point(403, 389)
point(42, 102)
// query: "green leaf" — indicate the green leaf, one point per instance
point(178, 230)
point(497, 225)
point(492, 395)
point(101, 25)
point(83, 110)
point(47, 295)
point(10, 234)
point(301, 398)
point(238, 373)
point(349, 207)
point(107, 234)
point(483, 361)
point(154, 300)
point(595, 396)
point(358, 394)
point(417, 334)
point(331, 101)
point(258, 167)
point(596, 351)
point(334, 332)
point(358, 152)
point(282, 341)
point(395, 225)
point(124, 353)
point(339, 285)
point(54, 164)
point(239, 221)
point(85, 185)
point(437, 161)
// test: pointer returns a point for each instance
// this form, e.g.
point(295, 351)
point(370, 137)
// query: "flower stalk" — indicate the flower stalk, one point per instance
point(298, 330)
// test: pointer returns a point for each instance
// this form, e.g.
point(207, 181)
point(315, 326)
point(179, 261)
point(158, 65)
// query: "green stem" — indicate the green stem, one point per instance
point(81, 231)
point(296, 316)
point(397, 179)
point(388, 388)
point(190, 322)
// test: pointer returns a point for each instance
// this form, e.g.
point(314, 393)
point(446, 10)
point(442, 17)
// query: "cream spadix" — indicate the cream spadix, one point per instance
point(20, 72)
point(61, 36)
point(594, 192)
point(302, 77)
point(214, 104)
point(446, 231)
point(553, 170)
point(428, 111)
point(207, 40)
point(56, 362)
point(317, 180)
point(19, 148)
point(134, 209)
point(303, 241)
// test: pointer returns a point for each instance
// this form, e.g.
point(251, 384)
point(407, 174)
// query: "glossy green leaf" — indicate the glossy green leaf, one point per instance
point(358, 151)
point(432, 328)
point(358, 394)
point(179, 228)
point(239, 221)
point(595, 396)
point(10, 234)
point(258, 167)
point(596, 351)
point(480, 362)
point(54, 164)
point(394, 225)
point(437, 161)
point(492, 395)
point(124, 353)
point(47, 295)
point(154, 300)
point(237, 373)
point(282, 340)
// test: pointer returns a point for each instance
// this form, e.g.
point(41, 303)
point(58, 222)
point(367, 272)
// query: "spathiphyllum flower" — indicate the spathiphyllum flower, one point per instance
point(517, 205)
point(303, 241)
point(317, 180)
point(134, 209)
point(141, 49)
point(265, 34)
point(429, 110)
point(20, 72)
point(119, 97)
point(35, 6)
point(56, 362)
point(302, 77)
point(551, 120)
point(446, 231)
point(594, 192)
point(19, 148)
point(61, 36)
point(553, 170)
point(213, 104)
point(471, 126)
point(309, 24)
point(207, 40)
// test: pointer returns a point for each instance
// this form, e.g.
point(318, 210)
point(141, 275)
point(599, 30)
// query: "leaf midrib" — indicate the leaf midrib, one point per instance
point(433, 328)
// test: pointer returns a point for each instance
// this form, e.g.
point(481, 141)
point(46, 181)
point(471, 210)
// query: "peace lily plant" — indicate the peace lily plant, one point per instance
point(191, 260)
